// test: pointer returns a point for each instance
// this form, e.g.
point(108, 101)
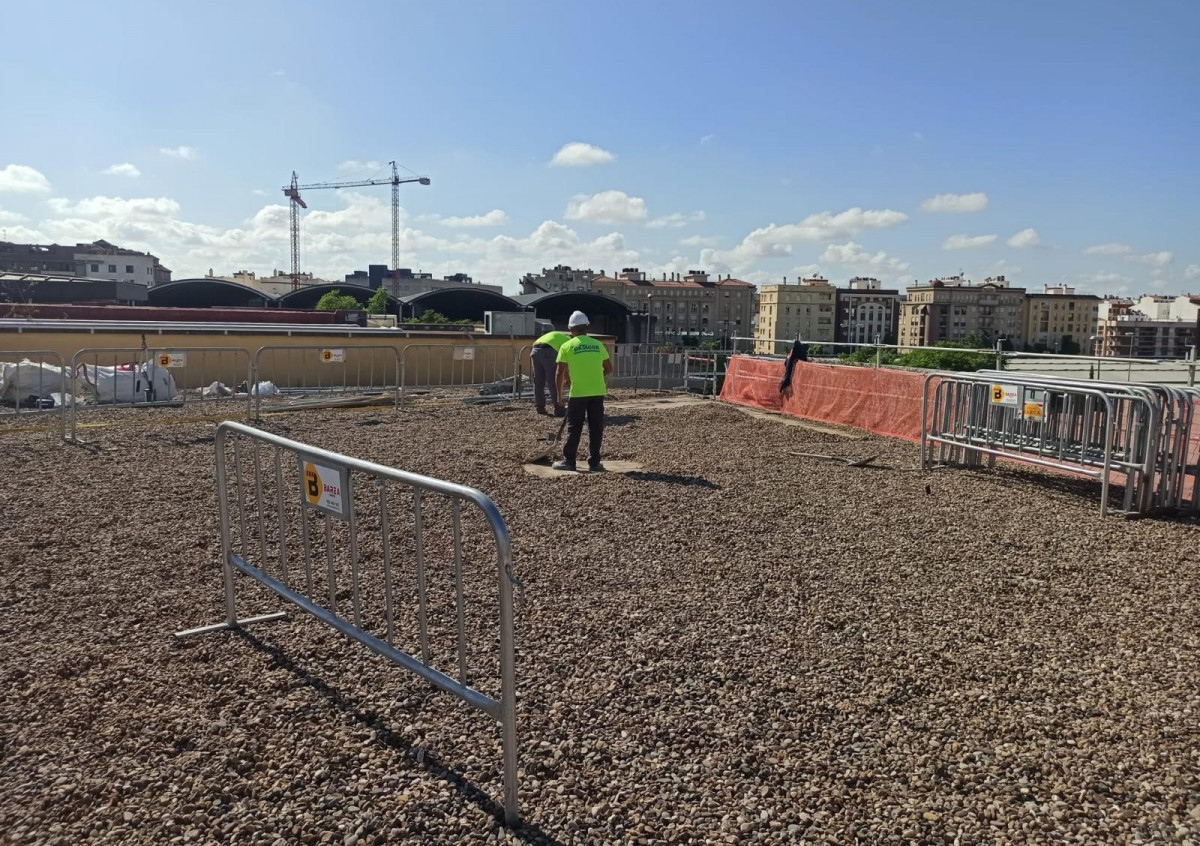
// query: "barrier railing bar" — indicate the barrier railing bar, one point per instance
point(419, 536)
point(258, 504)
point(352, 524)
point(330, 573)
point(283, 556)
point(388, 610)
point(460, 605)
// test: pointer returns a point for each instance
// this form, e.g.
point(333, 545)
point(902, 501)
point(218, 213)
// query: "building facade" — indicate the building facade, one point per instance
point(97, 260)
point(1060, 320)
point(1151, 327)
point(951, 309)
point(404, 282)
point(785, 312)
point(866, 312)
point(558, 280)
point(683, 308)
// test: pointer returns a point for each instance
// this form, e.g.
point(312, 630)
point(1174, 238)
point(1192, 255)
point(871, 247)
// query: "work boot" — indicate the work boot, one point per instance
point(563, 465)
point(559, 410)
point(542, 411)
point(595, 467)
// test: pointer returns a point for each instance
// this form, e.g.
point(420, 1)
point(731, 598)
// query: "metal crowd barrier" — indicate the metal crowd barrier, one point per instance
point(42, 363)
point(309, 504)
point(307, 370)
point(706, 370)
point(131, 377)
point(1128, 434)
point(460, 366)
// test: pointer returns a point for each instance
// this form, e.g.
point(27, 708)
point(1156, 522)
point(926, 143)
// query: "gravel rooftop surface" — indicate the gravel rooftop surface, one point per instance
point(737, 645)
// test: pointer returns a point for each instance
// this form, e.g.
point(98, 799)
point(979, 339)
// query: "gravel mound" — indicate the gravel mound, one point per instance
point(736, 645)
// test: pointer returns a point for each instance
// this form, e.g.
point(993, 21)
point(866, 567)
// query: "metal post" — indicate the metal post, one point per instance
point(226, 551)
point(999, 355)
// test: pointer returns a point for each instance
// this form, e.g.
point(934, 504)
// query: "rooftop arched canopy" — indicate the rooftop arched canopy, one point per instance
point(308, 296)
point(608, 315)
point(465, 302)
point(207, 293)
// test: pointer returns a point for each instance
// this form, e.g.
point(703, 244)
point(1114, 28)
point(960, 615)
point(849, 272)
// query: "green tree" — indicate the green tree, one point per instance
point(429, 317)
point(335, 301)
point(378, 304)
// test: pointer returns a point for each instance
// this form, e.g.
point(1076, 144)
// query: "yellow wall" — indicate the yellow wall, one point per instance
point(431, 361)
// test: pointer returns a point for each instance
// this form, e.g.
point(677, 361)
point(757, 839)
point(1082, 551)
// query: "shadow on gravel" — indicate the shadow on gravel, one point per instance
point(672, 479)
point(620, 419)
point(527, 832)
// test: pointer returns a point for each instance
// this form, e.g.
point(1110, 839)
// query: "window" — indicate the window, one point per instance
point(95, 268)
point(129, 268)
point(112, 268)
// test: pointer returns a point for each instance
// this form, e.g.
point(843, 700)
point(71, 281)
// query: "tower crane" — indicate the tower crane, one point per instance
point(292, 192)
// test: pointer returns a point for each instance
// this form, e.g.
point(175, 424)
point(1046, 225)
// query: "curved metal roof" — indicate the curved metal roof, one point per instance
point(207, 293)
point(572, 300)
point(463, 302)
point(310, 295)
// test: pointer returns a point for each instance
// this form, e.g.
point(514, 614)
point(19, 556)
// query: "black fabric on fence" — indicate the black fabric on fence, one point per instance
point(799, 353)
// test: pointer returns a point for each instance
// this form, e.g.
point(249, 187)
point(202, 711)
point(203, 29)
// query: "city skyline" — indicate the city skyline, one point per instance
point(1051, 146)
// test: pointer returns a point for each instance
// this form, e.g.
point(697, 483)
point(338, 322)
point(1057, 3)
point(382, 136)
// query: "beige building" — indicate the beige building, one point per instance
point(1060, 320)
point(692, 306)
point(951, 308)
point(787, 312)
point(1151, 327)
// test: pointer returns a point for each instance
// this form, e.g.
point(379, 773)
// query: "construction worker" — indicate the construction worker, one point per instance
point(582, 361)
point(542, 361)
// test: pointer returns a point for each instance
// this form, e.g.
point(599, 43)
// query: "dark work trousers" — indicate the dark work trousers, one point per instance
point(544, 363)
point(579, 408)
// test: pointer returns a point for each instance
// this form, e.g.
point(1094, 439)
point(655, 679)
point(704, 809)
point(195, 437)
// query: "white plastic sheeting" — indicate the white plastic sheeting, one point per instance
point(24, 379)
point(126, 383)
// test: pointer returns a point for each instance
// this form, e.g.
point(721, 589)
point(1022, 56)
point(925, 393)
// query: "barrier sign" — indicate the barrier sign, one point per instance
point(172, 360)
point(336, 356)
point(464, 353)
point(1006, 395)
point(325, 488)
point(1033, 405)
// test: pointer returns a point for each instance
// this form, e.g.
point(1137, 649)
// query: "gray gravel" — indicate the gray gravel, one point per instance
point(736, 646)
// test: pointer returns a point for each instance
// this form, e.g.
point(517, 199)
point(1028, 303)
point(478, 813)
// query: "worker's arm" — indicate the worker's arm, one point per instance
point(560, 380)
point(607, 366)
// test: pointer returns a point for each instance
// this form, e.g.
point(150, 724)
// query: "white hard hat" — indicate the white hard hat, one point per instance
point(578, 318)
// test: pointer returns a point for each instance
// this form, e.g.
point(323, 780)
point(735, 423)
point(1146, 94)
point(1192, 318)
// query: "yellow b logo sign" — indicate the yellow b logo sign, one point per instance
point(327, 355)
point(164, 360)
point(998, 393)
point(312, 484)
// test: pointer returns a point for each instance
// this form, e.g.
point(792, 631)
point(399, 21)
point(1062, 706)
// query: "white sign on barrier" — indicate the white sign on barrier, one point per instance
point(333, 356)
point(1033, 405)
point(325, 488)
point(1006, 395)
point(464, 353)
point(172, 360)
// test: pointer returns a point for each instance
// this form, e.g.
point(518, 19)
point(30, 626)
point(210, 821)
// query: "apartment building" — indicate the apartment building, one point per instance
point(1150, 327)
point(805, 311)
point(1060, 320)
point(691, 306)
point(97, 260)
point(951, 308)
point(403, 282)
point(866, 312)
point(559, 279)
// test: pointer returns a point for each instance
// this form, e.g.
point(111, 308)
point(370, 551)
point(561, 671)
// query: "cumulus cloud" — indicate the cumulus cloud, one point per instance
point(1025, 238)
point(955, 203)
point(1192, 272)
point(777, 240)
point(12, 217)
point(968, 242)
point(1110, 249)
point(493, 218)
point(21, 179)
point(181, 152)
point(1159, 259)
point(607, 207)
point(675, 220)
point(125, 169)
point(356, 166)
point(700, 241)
point(578, 154)
point(853, 255)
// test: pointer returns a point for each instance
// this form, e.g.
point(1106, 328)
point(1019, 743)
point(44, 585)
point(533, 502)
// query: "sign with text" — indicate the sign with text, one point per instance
point(464, 353)
point(172, 360)
point(325, 488)
point(1006, 395)
point(334, 356)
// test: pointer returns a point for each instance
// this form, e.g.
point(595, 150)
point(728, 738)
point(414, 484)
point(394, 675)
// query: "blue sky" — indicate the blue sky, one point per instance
point(1051, 142)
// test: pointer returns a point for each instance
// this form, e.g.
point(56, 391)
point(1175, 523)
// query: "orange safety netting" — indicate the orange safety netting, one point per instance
point(886, 402)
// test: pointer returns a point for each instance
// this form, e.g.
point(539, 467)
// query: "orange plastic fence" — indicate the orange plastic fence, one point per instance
point(886, 402)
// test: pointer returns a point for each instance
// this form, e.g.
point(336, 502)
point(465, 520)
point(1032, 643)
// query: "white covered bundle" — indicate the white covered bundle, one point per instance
point(125, 383)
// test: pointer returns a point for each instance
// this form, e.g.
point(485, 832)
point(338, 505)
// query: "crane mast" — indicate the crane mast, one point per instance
point(296, 202)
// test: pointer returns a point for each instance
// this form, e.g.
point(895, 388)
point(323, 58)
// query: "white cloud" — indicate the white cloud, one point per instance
point(125, 169)
point(182, 152)
point(675, 220)
point(708, 139)
point(918, 136)
point(776, 240)
point(1025, 238)
point(493, 218)
point(355, 166)
point(1111, 249)
point(1159, 259)
point(956, 203)
point(968, 242)
point(11, 217)
point(578, 154)
point(607, 207)
point(1192, 272)
point(21, 179)
point(852, 255)
point(700, 241)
